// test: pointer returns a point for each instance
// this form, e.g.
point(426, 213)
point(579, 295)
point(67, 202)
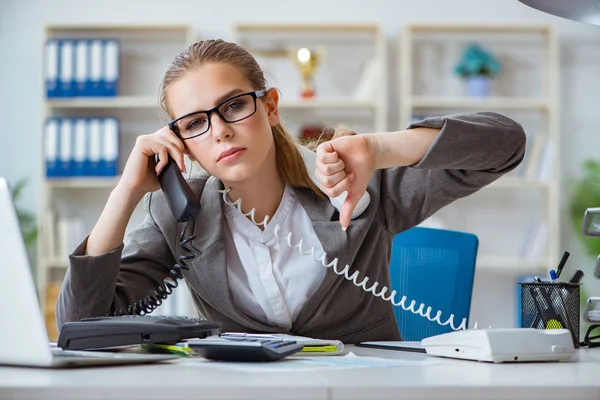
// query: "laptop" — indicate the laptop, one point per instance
point(23, 337)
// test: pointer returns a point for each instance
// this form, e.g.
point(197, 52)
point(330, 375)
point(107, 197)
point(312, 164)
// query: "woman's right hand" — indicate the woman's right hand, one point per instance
point(141, 170)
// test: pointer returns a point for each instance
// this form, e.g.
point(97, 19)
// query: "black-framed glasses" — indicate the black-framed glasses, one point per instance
point(232, 110)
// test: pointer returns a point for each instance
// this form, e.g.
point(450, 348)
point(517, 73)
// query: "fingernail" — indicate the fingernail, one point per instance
point(352, 177)
point(344, 228)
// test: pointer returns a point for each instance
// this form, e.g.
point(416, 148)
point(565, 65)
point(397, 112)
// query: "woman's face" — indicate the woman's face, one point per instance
point(234, 151)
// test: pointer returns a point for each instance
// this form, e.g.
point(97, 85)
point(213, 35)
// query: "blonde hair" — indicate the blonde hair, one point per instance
point(290, 164)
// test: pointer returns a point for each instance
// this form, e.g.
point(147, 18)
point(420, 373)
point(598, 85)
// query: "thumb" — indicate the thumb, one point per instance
point(348, 207)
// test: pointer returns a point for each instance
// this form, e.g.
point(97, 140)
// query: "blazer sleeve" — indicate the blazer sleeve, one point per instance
point(470, 152)
point(98, 285)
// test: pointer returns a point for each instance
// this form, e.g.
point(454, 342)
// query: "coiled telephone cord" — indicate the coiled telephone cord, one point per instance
point(156, 298)
point(423, 310)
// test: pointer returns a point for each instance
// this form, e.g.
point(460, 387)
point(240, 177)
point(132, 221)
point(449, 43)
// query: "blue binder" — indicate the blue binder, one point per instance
point(79, 146)
point(82, 64)
point(94, 146)
point(96, 68)
point(51, 147)
point(66, 75)
point(110, 147)
point(65, 154)
point(52, 64)
point(110, 71)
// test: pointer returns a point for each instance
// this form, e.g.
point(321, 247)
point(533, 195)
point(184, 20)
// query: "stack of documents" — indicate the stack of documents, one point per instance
point(311, 346)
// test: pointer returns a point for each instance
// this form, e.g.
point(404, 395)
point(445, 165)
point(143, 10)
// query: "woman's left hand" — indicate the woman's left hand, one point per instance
point(347, 164)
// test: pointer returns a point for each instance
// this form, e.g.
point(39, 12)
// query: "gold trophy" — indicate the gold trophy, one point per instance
point(307, 62)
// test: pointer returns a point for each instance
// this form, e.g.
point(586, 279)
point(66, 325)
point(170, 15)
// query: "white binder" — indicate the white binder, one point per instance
point(65, 154)
point(67, 65)
point(51, 68)
point(81, 67)
point(110, 71)
point(95, 146)
point(95, 77)
point(110, 150)
point(51, 148)
point(79, 147)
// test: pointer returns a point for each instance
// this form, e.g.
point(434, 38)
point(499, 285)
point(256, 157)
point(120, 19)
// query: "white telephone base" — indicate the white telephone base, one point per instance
point(503, 345)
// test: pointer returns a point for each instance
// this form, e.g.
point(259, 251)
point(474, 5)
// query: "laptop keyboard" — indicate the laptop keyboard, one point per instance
point(71, 354)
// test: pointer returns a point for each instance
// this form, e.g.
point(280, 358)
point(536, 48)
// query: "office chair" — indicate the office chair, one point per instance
point(435, 267)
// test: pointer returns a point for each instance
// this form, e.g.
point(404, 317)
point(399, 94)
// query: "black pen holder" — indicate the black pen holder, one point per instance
point(547, 305)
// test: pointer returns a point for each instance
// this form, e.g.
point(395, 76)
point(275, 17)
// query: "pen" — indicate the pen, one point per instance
point(553, 276)
point(236, 335)
point(562, 263)
point(543, 303)
point(577, 276)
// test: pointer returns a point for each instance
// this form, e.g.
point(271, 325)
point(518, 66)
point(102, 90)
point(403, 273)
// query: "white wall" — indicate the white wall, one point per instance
point(21, 88)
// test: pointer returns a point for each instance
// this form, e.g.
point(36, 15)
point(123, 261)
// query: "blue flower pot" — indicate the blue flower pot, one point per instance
point(479, 86)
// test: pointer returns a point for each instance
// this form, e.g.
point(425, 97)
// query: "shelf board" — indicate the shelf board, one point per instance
point(104, 102)
point(118, 27)
point(477, 28)
point(305, 27)
point(83, 182)
point(328, 103)
point(493, 103)
point(511, 264)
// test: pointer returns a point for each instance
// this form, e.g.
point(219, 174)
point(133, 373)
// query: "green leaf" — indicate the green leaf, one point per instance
point(18, 189)
point(27, 220)
point(586, 194)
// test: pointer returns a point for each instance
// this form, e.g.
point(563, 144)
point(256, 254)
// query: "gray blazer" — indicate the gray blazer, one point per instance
point(471, 151)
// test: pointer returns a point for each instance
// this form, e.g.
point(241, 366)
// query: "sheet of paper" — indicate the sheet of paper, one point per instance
point(349, 361)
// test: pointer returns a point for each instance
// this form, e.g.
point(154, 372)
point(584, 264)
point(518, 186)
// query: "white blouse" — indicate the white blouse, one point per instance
point(269, 280)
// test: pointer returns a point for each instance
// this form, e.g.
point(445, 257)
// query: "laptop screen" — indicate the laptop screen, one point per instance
point(23, 337)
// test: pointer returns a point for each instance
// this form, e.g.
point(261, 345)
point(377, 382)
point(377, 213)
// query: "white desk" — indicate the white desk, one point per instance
point(436, 378)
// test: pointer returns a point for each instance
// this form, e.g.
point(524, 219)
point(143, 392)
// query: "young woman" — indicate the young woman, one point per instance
point(245, 275)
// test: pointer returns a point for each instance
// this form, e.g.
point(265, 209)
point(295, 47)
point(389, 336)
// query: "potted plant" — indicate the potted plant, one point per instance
point(586, 194)
point(478, 67)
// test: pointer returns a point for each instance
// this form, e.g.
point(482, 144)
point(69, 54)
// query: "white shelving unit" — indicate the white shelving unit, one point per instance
point(350, 80)
point(146, 51)
point(506, 214)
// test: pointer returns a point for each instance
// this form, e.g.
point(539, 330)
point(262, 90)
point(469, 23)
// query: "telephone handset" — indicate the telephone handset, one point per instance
point(182, 201)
